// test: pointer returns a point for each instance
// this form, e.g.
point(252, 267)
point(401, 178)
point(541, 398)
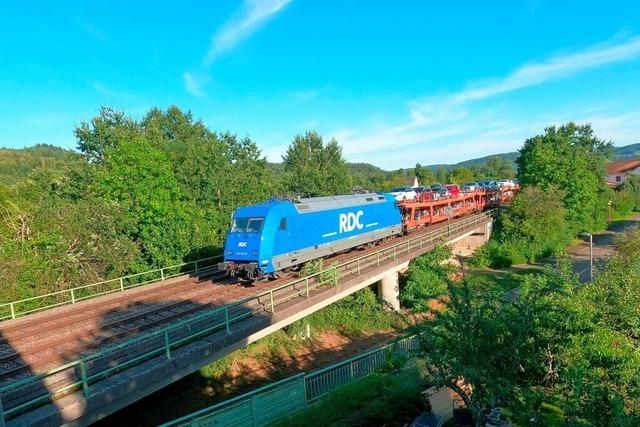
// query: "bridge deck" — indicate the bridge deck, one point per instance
point(81, 329)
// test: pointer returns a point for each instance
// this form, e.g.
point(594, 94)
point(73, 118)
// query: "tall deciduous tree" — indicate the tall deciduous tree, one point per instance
point(103, 132)
point(572, 159)
point(534, 224)
point(314, 168)
point(425, 176)
point(441, 175)
point(461, 175)
point(139, 177)
point(497, 167)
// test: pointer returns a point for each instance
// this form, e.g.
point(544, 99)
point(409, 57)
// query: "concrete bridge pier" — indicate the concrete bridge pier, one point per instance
point(389, 290)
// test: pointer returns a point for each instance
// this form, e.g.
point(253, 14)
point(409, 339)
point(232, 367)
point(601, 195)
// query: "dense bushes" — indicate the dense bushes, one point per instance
point(577, 347)
point(532, 227)
point(426, 278)
point(356, 314)
point(623, 202)
point(143, 194)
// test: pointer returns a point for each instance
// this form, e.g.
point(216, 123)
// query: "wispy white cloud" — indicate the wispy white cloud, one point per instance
point(251, 16)
point(554, 68)
point(459, 120)
point(192, 85)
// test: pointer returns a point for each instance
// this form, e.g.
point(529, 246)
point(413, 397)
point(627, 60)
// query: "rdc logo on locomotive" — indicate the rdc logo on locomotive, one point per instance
point(350, 221)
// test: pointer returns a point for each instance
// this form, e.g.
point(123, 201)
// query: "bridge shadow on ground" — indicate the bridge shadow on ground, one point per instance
point(220, 381)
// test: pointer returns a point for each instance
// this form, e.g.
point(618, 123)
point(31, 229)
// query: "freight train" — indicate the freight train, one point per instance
point(278, 235)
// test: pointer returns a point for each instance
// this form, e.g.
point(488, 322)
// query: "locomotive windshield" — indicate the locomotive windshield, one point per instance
point(247, 225)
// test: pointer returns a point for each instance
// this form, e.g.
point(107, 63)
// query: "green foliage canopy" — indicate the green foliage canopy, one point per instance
point(572, 159)
point(314, 168)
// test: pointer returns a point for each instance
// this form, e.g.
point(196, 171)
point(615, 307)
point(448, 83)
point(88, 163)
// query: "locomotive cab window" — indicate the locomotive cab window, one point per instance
point(283, 224)
point(247, 225)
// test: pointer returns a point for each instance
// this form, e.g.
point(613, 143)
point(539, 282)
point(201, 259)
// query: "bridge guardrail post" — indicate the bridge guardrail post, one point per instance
point(121, 284)
point(196, 266)
point(83, 377)
point(73, 297)
point(226, 319)
point(378, 258)
point(13, 310)
point(162, 274)
point(306, 285)
point(272, 305)
point(167, 347)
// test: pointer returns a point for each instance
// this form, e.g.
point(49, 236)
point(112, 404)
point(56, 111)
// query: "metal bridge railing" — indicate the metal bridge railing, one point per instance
point(269, 403)
point(11, 310)
point(87, 370)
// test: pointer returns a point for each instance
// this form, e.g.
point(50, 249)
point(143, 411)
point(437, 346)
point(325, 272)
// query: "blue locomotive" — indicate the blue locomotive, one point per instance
point(279, 234)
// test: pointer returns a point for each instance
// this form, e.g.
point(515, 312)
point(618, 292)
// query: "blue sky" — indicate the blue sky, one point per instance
point(394, 82)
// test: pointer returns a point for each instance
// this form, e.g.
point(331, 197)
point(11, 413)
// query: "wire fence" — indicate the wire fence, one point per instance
point(267, 404)
point(27, 393)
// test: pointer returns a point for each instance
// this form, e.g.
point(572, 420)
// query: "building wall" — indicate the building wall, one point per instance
point(621, 177)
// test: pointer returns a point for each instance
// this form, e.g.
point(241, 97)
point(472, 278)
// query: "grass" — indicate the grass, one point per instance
point(379, 399)
point(501, 281)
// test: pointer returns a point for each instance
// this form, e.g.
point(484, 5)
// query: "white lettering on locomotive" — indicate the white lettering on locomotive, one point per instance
point(242, 244)
point(350, 221)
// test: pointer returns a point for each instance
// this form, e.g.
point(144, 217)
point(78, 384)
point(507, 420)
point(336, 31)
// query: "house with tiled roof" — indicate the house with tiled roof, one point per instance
point(618, 172)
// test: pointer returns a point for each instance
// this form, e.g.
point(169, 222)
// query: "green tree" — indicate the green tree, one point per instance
point(140, 179)
point(426, 176)
point(441, 175)
point(427, 278)
point(603, 364)
point(314, 168)
point(505, 350)
point(104, 132)
point(534, 225)
point(632, 187)
point(572, 159)
point(497, 167)
point(461, 175)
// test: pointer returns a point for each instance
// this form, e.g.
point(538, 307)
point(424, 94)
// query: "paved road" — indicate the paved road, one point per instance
point(602, 246)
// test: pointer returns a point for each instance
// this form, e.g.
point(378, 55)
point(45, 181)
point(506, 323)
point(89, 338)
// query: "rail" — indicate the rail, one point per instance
point(267, 404)
point(87, 370)
point(11, 310)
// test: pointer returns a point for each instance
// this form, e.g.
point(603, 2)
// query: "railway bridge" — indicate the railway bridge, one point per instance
point(78, 363)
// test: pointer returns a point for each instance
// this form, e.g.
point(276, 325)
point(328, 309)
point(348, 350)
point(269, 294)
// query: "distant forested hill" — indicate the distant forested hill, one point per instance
point(16, 164)
point(632, 150)
point(626, 151)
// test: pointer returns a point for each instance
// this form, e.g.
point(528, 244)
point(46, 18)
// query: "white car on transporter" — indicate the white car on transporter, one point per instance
point(403, 194)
